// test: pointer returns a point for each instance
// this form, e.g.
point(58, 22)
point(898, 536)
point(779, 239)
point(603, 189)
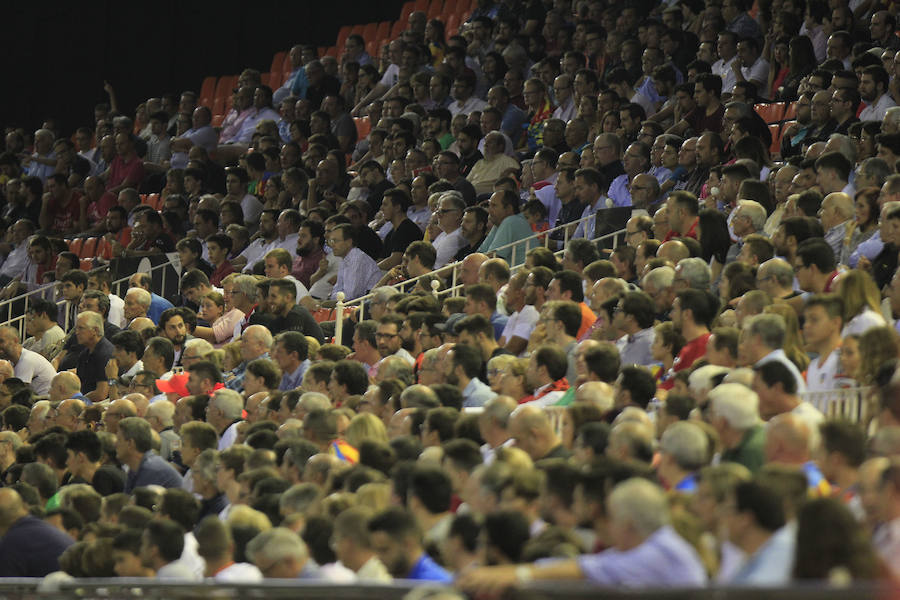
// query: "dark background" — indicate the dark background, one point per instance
point(56, 57)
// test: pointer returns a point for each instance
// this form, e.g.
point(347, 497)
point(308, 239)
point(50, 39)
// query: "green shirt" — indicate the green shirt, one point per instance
point(751, 451)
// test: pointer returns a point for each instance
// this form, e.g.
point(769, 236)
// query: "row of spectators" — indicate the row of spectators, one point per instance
point(652, 414)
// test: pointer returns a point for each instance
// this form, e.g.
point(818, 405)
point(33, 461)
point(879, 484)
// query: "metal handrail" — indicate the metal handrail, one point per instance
point(21, 301)
point(454, 287)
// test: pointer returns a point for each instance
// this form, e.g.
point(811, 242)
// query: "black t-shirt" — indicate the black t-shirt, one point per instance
point(399, 239)
point(369, 242)
point(376, 194)
point(298, 319)
point(92, 365)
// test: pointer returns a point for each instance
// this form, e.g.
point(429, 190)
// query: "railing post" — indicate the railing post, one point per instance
point(453, 282)
point(435, 284)
point(339, 318)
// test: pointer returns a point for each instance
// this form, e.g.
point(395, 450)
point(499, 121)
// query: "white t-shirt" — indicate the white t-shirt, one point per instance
point(322, 288)
point(447, 245)
point(862, 322)
point(521, 323)
point(116, 311)
point(34, 369)
point(820, 375)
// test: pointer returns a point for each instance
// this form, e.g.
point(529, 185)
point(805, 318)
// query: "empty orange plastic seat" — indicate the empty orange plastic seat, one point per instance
point(278, 62)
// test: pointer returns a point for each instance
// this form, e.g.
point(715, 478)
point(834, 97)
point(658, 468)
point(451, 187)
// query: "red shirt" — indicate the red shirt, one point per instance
point(305, 266)
point(220, 273)
point(120, 170)
point(690, 233)
point(65, 218)
point(693, 350)
point(587, 319)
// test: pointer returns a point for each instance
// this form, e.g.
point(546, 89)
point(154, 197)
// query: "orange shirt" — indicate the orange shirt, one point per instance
point(587, 319)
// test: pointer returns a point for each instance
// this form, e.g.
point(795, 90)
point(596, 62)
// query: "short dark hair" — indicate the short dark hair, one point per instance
point(639, 305)
point(129, 341)
point(762, 502)
point(640, 383)
point(352, 375)
point(397, 522)
point(816, 251)
point(773, 372)
point(570, 281)
point(167, 536)
point(431, 485)
point(39, 306)
point(554, 359)
point(469, 358)
point(603, 362)
point(702, 304)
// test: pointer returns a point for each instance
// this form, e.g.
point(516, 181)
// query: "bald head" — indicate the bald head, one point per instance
point(140, 324)
point(837, 208)
point(531, 428)
point(674, 251)
point(789, 440)
point(12, 508)
point(64, 385)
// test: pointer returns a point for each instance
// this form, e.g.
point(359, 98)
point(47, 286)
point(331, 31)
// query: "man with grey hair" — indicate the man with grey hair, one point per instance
point(735, 417)
point(762, 341)
point(42, 163)
point(137, 303)
point(256, 342)
point(684, 450)
point(380, 297)
point(31, 367)
point(450, 240)
point(776, 278)
point(92, 361)
point(749, 217)
point(309, 402)
point(133, 449)
point(419, 396)
point(641, 534)
point(692, 273)
point(660, 284)
point(243, 298)
point(160, 416)
point(836, 214)
point(224, 413)
point(872, 172)
point(280, 553)
point(838, 142)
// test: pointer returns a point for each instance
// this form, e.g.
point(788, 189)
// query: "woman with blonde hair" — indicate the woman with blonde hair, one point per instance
point(862, 302)
point(511, 379)
point(877, 346)
point(496, 368)
point(365, 426)
point(793, 348)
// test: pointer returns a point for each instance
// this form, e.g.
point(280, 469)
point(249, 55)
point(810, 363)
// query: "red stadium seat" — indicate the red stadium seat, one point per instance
point(452, 25)
point(278, 62)
point(343, 34)
point(435, 9)
point(407, 10)
point(363, 126)
point(217, 120)
point(451, 7)
point(790, 112)
point(372, 48)
point(421, 5)
point(207, 91)
point(265, 78)
point(370, 32)
point(397, 29)
point(774, 129)
point(770, 113)
point(154, 201)
point(383, 30)
point(223, 87)
point(89, 248)
point(76, 245)
point(104, 248)
point(86, 264)
point(276, 78)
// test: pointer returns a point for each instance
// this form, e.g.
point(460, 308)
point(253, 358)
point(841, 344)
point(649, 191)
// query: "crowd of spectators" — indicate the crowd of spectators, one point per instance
point(715, 399)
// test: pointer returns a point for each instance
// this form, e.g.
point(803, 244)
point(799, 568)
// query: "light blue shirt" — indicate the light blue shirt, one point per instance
point(773, 562)
point(618, 191)
point(585, 229)
point(357, 275)
point(476, 393)
point(513, 228)
point(870, 248)
point(637, 348)
point(664, 558)
point(291, 381)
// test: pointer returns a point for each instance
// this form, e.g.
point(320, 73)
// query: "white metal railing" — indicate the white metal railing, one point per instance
point(852, 404)
point(13, 310)
point(529, 243)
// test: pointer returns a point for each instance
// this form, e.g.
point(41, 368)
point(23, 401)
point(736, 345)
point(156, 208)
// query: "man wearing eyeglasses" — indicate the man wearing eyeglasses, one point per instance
point(565, 99)
point(358, 273)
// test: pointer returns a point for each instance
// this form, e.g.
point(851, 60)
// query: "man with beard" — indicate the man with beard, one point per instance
point(312, 267)
point(388, 340)
point(474, 230)
point(692, 313)
point(796, 135)
point(173, 326)
point(290, 316)
point(873, 88)
point(263, 241)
